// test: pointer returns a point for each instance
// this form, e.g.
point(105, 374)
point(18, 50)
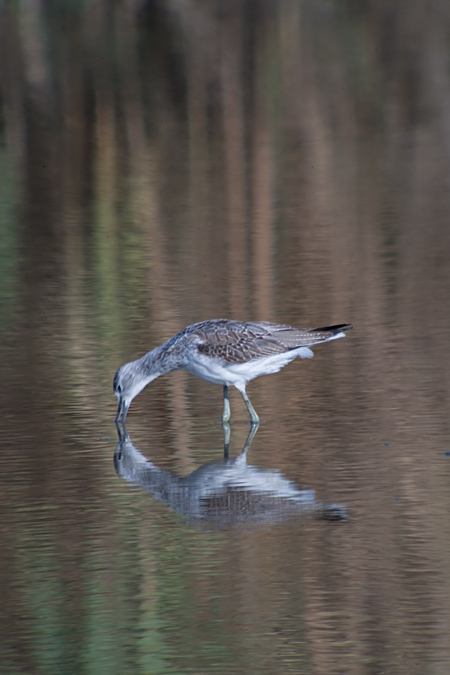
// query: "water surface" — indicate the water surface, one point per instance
point(165, 163)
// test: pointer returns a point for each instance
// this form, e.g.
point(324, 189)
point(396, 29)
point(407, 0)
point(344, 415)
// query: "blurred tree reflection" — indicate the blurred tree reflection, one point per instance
point(166, 161)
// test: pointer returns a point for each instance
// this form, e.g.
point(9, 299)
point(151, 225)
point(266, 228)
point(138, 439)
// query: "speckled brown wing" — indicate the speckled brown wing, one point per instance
point(292, 337)
point(236, 342)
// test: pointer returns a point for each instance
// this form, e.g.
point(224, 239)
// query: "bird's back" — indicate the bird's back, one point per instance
point(236, 342)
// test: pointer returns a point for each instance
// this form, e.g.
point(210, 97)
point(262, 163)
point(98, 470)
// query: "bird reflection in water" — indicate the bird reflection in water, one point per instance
point(225, 492)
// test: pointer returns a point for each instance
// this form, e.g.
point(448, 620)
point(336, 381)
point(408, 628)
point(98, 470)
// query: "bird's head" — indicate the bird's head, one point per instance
point(129, 381)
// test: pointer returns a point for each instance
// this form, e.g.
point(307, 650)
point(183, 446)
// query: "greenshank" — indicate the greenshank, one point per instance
point(223, 352)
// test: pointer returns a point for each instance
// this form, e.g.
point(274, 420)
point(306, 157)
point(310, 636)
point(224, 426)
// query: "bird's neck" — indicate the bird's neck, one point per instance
point(159, 361)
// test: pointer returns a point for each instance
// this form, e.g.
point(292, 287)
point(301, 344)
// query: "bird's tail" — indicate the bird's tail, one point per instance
point(330, 332)
point(339, 328)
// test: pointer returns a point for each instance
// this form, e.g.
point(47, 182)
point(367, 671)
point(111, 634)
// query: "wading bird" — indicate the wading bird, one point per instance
point(223, 352)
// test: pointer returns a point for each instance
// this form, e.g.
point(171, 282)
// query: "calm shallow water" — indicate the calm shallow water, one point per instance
point(164, 164)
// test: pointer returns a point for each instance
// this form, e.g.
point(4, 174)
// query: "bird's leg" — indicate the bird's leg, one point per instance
point(226, 439)
point(226, 406)
point(250, 408)
point(250, 437)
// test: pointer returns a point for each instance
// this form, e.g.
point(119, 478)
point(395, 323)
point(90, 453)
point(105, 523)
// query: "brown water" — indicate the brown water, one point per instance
point(163, 163)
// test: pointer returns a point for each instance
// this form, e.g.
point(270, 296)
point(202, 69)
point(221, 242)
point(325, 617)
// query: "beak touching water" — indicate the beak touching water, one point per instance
point(122, 410)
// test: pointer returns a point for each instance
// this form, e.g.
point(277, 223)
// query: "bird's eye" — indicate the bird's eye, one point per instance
point(119, 388)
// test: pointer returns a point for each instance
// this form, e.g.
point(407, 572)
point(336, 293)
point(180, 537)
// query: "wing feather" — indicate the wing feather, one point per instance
point(236, 342)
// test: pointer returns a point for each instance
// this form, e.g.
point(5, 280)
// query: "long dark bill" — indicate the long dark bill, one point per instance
point(121, 409)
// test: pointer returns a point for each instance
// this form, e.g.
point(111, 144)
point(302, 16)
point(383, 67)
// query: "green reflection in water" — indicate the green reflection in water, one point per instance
point(9, 239)
point(47, 598)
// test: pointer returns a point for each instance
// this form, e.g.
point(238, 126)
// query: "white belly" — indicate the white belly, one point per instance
point(218, 372)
